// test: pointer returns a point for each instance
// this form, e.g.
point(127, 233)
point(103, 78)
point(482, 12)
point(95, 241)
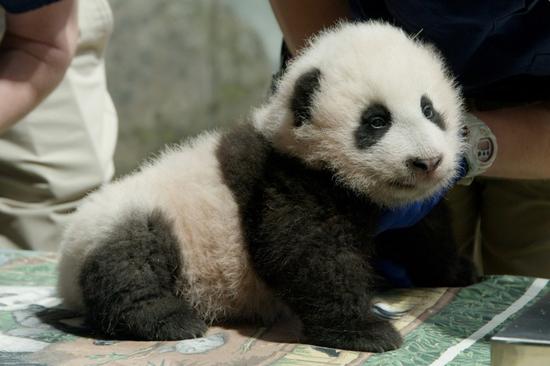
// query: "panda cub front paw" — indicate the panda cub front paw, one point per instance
point(179, 326)
point(376, 337)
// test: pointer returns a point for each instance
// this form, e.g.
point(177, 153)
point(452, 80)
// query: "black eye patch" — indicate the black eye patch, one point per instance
point(376, 120)
point(430, 112)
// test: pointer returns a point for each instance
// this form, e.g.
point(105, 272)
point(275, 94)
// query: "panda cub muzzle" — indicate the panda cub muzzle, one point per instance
point(280, 213)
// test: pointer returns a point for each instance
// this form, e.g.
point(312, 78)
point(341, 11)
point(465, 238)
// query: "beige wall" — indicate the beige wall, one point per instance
point(176, 68)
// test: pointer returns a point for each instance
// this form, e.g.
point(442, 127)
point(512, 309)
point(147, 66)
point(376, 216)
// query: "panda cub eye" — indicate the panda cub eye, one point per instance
point(377, 122)
point(430, 112)
point(427, 108)
point(376, 117)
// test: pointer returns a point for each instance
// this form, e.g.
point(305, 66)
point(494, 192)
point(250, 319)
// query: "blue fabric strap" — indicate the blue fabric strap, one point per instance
point(408, 215)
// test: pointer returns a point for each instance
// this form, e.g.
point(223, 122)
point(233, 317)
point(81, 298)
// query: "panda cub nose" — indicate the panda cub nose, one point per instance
point(425, 166)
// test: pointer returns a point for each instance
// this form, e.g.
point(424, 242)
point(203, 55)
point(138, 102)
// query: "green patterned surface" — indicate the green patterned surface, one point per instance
point(27, 268)
point(34, 331)
point(470, 310)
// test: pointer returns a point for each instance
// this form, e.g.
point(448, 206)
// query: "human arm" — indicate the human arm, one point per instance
point(523, 137)
point(36, 50)
point(299, 20)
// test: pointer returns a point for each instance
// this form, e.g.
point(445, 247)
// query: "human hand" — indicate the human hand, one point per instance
point(36, 50)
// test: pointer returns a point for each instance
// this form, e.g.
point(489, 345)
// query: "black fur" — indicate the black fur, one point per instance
point(129, 284)
point(242, 154)
point(375, 122)
point(311, 240)
point(431, 113)
point(304, 91)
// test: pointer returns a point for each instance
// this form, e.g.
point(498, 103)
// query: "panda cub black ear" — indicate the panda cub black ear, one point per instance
point(302, 99)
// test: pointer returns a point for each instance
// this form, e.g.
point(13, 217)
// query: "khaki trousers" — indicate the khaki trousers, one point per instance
point(504, 225)
point(64, 148)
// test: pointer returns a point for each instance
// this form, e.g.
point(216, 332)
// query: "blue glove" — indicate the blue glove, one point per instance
point(408, 215)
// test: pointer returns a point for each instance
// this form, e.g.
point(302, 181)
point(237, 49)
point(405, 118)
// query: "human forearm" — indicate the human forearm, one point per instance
point(301, 19)
point(19, 95)
point(523, 136)
point(35, 52)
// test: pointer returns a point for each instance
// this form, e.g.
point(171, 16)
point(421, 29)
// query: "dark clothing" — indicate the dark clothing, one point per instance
point(498, 50)
point(21, 6)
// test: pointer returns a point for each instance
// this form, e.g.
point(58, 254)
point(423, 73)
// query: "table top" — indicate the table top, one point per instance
point(443, 326)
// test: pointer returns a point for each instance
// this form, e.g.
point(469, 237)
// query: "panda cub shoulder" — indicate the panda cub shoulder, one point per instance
point(280, 213)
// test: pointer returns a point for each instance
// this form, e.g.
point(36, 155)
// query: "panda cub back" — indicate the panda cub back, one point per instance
point(184, 190)
point(279, 213)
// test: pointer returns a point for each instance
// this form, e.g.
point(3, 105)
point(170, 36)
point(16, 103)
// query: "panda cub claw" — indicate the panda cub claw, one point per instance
point(178, 326)
point(377, 337)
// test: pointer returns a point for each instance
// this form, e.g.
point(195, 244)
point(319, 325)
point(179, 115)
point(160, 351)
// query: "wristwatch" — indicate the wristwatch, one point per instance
point(481, 149)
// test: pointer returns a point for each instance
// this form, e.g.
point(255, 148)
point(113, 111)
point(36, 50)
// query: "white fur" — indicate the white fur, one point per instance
point(185, 183)
point(362, 64)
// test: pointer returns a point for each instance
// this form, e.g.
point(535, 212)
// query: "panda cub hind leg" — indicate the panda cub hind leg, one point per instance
point(129, 283)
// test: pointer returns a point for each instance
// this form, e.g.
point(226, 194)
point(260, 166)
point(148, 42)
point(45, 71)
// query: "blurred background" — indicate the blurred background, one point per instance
point(176, 68)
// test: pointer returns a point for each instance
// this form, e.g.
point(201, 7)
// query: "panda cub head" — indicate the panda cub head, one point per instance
point(373, 105)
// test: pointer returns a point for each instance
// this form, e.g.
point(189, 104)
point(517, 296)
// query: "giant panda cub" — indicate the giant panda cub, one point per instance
point(280, 213)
